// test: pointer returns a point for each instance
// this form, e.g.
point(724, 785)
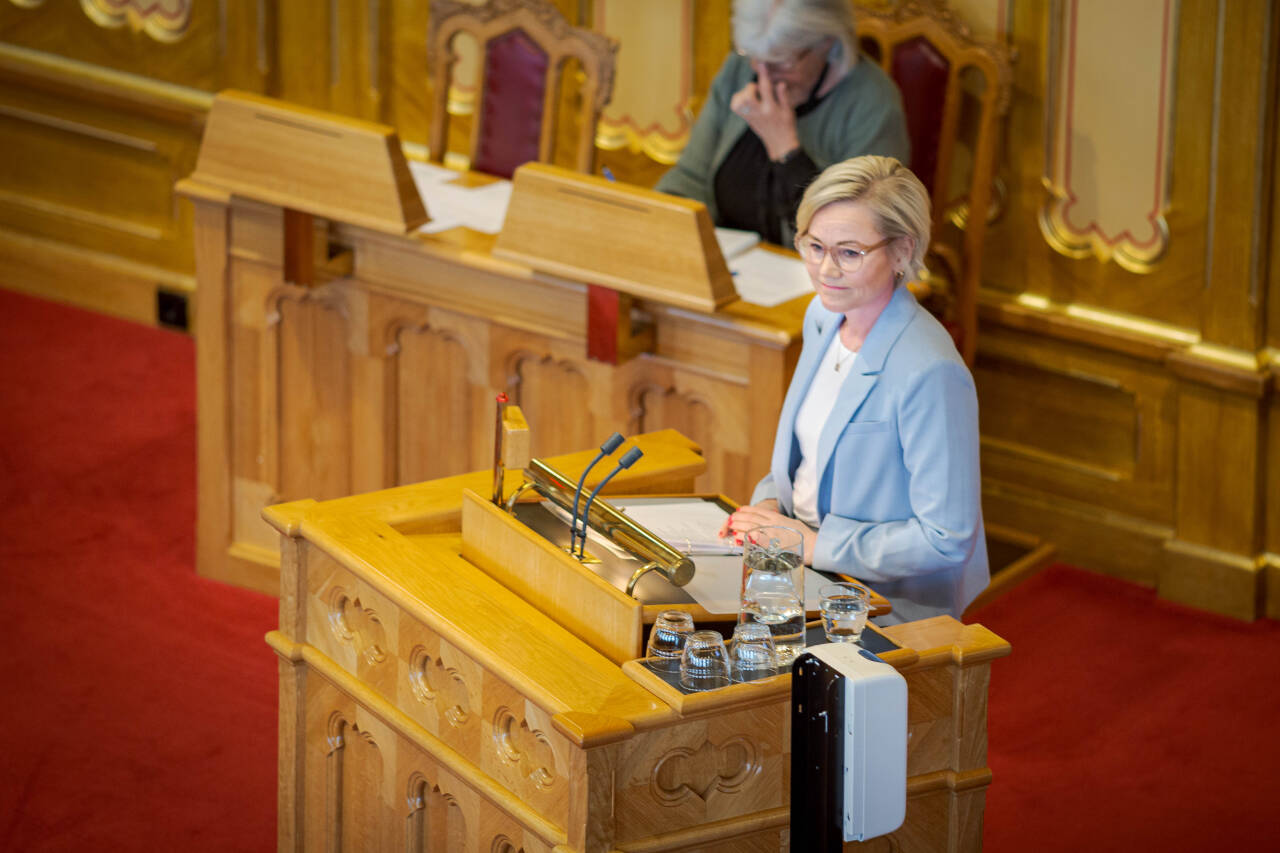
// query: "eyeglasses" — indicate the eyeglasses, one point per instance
point(848, 258)
point(783, 65)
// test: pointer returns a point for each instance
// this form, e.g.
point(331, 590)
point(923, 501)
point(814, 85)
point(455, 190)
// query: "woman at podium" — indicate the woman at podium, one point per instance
point(875, 459)
point(793, 99)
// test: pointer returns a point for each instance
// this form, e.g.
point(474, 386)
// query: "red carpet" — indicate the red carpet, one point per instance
point(140, 699)
point(1121, 722)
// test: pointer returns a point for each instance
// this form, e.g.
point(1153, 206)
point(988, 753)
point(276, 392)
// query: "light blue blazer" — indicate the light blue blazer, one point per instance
point(899, 495)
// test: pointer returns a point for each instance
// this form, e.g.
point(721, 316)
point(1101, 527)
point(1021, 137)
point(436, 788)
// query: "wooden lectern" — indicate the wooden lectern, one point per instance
point(424, 705)
point(340, 351)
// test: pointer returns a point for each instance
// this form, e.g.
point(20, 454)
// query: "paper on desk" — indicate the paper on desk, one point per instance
point(451, 205)
point(717, 581)
point(478, 208)
point(427, 174)
point(735, 241)
point(768, 278)
point(689, 526)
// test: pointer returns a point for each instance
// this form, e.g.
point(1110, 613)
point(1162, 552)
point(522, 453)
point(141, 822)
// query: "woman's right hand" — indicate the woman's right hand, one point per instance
point(746, 520)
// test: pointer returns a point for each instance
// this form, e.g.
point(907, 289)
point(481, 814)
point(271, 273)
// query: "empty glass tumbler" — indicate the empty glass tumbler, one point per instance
point(773, 587)
point(667, 639)
point(752, 654)
point(844, 609)
point(705, 663)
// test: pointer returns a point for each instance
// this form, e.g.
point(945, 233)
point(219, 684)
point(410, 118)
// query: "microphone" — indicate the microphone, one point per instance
point(610, 444)
point(628, 459)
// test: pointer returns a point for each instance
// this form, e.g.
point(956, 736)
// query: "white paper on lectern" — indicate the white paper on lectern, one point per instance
point(717, 580)
point(767, 278)
point(450, 205)
point(690, 526)
point(735, 241)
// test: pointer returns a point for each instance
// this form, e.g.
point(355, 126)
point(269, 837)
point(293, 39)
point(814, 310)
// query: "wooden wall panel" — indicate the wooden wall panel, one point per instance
point(90, 159)
point(1018, 259)
point(64, 30)
point(1078, 424)
point(552, 386)
point(440, 413)
point(313, 393)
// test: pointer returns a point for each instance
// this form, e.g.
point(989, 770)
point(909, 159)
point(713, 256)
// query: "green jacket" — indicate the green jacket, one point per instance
point(861, 115)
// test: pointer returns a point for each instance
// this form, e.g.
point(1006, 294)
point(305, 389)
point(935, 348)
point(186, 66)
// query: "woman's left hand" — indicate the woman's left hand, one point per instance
point(766, 513)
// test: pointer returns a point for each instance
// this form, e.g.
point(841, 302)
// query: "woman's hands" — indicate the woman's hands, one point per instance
point(766, 513)
point(765, 107)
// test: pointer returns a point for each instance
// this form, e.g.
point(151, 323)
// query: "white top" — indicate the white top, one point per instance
point(810, 418)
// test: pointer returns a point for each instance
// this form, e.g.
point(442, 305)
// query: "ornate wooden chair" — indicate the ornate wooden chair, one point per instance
point(524, 46)
point(955, 90)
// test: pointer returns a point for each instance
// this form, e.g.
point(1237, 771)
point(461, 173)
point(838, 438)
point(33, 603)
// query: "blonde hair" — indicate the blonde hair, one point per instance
point(772, 29)
point(889, 190)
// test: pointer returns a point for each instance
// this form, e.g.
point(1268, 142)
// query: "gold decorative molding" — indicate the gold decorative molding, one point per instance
point(163, 20)
point(1108, 119)
point(650, 109)
point(990, 20)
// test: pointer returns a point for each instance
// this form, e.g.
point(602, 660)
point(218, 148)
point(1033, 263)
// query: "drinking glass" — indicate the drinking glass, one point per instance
point(667, 639)
point(751, 652)
point(773, 586)
point(705, 663)
point(844, 609)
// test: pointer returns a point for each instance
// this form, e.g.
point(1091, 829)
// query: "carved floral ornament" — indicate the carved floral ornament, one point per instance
point(163, 20)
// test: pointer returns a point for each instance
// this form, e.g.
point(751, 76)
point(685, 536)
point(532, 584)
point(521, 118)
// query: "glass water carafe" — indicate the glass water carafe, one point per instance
point(773, 587)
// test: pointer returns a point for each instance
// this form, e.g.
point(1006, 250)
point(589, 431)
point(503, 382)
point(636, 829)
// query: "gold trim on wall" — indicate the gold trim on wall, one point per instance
point(1108, 131)
point(163, 20)
point(650, 111)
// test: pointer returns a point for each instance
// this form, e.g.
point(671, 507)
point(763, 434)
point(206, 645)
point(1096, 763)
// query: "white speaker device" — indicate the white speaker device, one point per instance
point(848, 747)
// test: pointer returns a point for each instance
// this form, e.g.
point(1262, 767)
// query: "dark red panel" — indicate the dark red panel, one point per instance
point(603, 308)
point(515, 72)
point(921, 74)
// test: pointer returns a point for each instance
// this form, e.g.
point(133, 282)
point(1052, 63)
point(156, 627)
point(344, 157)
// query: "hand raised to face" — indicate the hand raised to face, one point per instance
point(766, 108)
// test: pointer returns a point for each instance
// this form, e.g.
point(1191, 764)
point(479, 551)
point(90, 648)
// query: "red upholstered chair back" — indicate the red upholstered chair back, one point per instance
point(525, 45)
point(955, 91)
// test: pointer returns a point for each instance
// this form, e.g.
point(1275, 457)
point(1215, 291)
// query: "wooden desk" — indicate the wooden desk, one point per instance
point(384, 370)
point(424, 706)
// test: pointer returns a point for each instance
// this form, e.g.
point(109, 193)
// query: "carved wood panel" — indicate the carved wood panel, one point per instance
point(712, 769)
point(435, 823)
point(348, 757)
point(353, 770)
point(437, 425)
point(555, 393)
point(313, 384)
point(713, 412)
point(352, 623)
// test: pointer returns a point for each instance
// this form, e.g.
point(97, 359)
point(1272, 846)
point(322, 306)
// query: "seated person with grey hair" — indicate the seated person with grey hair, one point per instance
point(795, 98)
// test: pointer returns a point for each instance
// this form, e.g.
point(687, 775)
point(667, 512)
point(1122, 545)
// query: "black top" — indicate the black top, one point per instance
point(757, 194)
